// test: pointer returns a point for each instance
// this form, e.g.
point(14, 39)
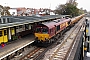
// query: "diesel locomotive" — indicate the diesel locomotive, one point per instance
point(45, 31)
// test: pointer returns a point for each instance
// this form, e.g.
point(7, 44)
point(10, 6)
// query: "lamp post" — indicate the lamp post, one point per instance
point(5, 8)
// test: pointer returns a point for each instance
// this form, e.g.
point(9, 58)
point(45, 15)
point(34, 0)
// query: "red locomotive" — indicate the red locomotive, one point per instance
point(45, 31)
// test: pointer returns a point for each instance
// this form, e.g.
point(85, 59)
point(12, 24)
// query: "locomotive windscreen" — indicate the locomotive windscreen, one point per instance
point(41, 30)
point(38, 30)
point(44, 30)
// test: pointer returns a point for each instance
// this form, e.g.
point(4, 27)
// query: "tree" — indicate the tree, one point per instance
point(67, 9)
point(5, 10)
point(1, 10)
point(60, 9)
point(71, 10)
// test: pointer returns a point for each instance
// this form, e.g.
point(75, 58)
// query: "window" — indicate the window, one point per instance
point(0, 21)
point(17, 29)
point(26, 27)
point(38, 30)
point(8, 20)
point(0, 33)
point(5, 32)
point(29, 26)
point(23, 27)
point(20, 26)
point(3, 20)
point(44, 30)
point(58, 28)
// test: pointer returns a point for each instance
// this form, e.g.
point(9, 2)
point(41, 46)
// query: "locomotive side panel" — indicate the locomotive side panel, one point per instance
point(55, 27)
point(52, 32)
point(63, 26)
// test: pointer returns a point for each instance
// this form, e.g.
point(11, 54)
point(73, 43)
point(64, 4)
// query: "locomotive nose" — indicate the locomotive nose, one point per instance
point(42, 37)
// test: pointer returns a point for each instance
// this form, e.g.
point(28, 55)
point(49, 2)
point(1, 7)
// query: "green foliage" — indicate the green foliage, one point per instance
point(5, 10)
point(67, 9)
point(81, 12)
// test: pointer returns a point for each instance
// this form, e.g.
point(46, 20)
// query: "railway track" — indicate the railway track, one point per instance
point(33, 54)
point(60, 53)
point(63, 50)
point(64, 46)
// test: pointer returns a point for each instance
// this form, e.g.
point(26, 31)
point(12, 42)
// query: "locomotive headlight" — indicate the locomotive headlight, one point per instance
point(45, 37)
point(36, 38)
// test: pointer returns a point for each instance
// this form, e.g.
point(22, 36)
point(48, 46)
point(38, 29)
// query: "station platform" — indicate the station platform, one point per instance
point(87, 39)
point(15, 46)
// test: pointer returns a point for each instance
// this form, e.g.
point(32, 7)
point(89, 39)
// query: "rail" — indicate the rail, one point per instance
point(33, 54)
point(62, 52)
point(15, 50)
point(64, 49)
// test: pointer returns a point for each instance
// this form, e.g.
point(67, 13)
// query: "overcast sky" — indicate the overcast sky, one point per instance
point(85, 4)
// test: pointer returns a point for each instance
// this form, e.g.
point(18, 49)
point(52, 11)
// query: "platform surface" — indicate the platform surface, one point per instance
point(16, 45)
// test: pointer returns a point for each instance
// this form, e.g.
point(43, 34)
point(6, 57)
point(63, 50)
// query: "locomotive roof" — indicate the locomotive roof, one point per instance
point(50, 24)
point(55, 22)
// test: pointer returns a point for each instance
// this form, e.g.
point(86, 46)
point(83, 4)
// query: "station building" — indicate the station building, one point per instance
point(15, 27)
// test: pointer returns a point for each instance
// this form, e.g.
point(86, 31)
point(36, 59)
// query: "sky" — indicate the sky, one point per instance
point(42, 3)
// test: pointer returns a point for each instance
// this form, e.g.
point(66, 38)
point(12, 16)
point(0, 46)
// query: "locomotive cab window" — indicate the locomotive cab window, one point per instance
point(44, 30)
point(0, 33)
point(41, 30)
point(38, 30)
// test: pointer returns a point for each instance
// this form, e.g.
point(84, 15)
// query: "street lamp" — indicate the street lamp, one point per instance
point(5, 8)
